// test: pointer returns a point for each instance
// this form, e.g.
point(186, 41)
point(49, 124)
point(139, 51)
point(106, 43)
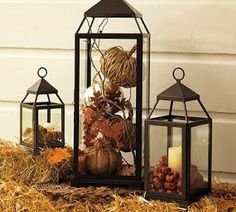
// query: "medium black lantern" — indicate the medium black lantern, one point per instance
point(111, 69)
point(42, 116)
point(178, 149)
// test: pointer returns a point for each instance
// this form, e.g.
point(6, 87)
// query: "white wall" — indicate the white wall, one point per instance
point(198, 35)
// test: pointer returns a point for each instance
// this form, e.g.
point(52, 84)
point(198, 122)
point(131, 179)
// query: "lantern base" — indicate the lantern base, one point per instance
point(81, 181)
point(183, 203)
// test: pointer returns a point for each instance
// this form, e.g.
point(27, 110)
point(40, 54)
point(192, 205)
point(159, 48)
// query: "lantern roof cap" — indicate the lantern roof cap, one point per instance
point(178, 91)
point(42, 86)
point(113, 8)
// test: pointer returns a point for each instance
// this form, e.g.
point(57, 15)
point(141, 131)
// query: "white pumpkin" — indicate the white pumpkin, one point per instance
point(94, 88)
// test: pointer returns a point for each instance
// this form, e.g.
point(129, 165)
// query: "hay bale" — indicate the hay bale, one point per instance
point(222, 198)
point(102, 195)
point(225, 189)
point(19, 165)
point(62, 198)
point(137, 204)
point(19, 197)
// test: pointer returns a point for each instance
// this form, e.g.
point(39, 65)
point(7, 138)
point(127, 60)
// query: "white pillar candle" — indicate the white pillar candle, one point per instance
point(175, 159)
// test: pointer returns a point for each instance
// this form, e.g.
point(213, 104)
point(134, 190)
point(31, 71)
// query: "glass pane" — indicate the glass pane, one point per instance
point(50, 129)
point(107, 123)
point(27, 126)
point(165, 160)
point(199, 158)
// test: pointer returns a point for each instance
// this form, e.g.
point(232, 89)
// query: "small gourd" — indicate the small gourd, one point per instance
point(102, 161)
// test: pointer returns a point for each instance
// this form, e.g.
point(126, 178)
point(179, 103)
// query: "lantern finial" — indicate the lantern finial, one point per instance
point(174, 74)
point(42, 75)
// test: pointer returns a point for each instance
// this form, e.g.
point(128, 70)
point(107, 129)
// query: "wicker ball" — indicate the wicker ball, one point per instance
point(119, 66)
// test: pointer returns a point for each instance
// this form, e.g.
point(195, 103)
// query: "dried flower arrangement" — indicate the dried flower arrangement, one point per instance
point(46, 137)
point(105, 132)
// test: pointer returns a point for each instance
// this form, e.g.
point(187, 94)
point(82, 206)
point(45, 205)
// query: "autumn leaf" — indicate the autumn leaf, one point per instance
point(89, 114)
point(82, 160)
point(103, 127)
point(94, 129)
point(120, 145)
point(57, 155)
point(88, 139)
point(101, 143)
point(107, 129)
point(116, 130)
point(81, 152)
point(98, 100)
point(127, 170)
point(112, 92)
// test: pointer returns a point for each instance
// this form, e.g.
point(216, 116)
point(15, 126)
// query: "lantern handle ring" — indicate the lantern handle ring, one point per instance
point(42, 74)
point(174, 74)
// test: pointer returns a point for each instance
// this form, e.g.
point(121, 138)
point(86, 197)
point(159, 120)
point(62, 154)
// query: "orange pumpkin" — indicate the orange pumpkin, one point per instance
point(102, 160)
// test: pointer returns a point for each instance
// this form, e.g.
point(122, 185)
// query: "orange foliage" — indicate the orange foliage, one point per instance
point(116, 130)
point(58, 155)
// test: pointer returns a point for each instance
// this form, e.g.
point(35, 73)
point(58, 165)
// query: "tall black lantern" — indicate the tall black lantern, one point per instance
point(42, 116)
point(112, 62)
point(178, 149)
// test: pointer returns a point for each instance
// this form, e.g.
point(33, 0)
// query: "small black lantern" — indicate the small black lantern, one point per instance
point(178, 149)
point(110, 82)
point(42, 116)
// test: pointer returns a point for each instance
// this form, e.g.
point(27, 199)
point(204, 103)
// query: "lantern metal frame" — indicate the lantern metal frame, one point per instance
point(122, 10)
point(42, 87)
point(186, 123)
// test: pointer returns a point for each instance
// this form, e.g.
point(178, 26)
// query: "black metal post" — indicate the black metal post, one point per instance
point(76, 106)
point(89, 58)
point(187, 163)
point(139, 112)
point(146, 155)
point(63, 123)
point(35, 131)
point(210, 156)
point(48, 110)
